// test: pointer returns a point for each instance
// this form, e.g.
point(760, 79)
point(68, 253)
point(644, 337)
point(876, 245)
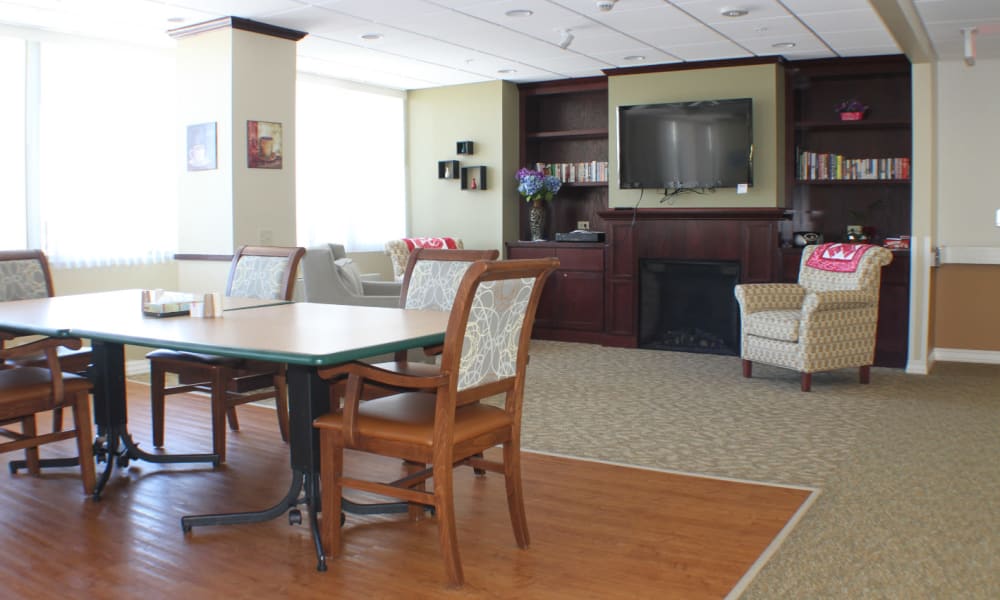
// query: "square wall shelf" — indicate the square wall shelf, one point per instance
point(473, 178)
point(448, 169)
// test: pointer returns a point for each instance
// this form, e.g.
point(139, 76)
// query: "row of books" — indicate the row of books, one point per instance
point(827, 166)
point(581, 172)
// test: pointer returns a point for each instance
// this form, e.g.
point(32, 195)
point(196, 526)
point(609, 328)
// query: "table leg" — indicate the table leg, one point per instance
point(114, 443)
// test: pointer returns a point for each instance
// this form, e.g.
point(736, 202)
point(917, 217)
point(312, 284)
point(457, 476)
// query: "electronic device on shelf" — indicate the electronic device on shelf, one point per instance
point(580, 235)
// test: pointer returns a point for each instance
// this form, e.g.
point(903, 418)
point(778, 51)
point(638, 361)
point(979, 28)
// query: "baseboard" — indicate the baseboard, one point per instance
point(991, 357)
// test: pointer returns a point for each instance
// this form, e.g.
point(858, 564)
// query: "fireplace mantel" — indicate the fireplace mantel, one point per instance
point(747, 235)
point(705, 213)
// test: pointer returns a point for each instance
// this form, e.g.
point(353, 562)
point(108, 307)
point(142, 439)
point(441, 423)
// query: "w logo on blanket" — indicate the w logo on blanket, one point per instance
point(841, 258)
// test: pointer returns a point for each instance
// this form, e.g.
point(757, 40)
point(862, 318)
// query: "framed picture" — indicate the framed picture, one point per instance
point(264, 147)
point(201, 147)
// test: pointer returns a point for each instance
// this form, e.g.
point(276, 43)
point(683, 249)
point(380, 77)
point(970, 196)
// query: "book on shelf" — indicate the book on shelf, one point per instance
point(827, 166)
point(594, 171)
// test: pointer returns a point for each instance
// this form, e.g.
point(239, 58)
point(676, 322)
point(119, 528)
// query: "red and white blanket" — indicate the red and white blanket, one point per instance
point(841, 258)
point(431, 242)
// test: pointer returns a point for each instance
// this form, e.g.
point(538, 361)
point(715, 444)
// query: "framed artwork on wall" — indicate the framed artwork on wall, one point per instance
point(264, 145)
point(201, 147)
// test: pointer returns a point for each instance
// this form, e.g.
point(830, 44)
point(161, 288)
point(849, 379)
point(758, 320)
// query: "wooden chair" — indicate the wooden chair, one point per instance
point(24, 275)
point(440, 421)
point(26, 391)
point(266, 272)
point(430, 282)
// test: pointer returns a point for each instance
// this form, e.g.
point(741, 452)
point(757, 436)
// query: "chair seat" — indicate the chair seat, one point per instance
point(206, 359)
point(24, 388)
point(410, 367)
point(780, 325)
point(409, 418)
point(71, 361)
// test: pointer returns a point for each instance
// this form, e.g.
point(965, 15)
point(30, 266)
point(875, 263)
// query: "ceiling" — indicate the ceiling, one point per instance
point(430, 43)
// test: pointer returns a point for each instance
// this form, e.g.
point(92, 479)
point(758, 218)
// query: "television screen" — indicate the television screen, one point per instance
point(686, 145)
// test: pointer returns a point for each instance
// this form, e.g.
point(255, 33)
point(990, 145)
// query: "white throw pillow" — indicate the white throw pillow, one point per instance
point(350, 275)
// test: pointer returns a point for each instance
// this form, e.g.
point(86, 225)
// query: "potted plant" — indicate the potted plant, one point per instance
point(851, 110)
point(535, 186)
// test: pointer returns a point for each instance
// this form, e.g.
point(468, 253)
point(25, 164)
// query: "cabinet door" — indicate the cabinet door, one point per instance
point(579, 300)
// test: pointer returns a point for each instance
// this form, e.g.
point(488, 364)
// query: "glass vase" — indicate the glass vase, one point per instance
point(536, 221)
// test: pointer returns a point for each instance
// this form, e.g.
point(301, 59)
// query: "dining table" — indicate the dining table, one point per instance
point(304, 336)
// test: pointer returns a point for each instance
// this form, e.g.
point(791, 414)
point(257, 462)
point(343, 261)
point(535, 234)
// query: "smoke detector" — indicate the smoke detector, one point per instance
point(605, 5)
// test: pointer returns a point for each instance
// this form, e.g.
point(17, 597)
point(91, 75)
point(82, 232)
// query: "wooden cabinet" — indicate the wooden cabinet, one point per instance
point(566, 122)
point(827, 201)
point(842, 172)
point(572, 304)
point(893, 304)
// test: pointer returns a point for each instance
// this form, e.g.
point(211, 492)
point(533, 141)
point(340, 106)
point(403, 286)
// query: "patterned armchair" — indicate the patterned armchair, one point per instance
point(399, 250)
point(826, 321)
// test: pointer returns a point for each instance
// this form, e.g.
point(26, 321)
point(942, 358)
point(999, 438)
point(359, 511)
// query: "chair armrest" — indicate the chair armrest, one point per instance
point(756, 297)
point(382, 288)
point(837, 300)
point(37, 346)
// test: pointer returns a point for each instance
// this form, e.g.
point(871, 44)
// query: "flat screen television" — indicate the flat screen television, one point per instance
point(706, 144)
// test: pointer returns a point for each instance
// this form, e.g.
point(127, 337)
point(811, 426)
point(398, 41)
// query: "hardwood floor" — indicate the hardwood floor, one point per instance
point(597, 530)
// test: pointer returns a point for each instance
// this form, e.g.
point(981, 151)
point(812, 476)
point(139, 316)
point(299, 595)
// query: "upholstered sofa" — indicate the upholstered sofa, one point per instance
point(330, 277)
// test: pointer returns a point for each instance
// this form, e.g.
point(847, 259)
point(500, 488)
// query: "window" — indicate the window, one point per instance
point(13, 228)
point(97, 171)
point(350, 193)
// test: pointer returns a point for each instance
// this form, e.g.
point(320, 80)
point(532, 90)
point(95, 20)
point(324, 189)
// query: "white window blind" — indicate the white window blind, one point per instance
point(13, 227)
point(108, 154)
point(350, 175)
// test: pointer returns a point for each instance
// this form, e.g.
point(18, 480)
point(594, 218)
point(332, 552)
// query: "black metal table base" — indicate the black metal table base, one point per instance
point(118, 449)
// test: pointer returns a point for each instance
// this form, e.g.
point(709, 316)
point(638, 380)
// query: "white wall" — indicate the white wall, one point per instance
point(968, 132)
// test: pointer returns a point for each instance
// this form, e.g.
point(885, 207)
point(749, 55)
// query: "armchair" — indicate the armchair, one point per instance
point(329, 277)
point(826, 321)
point(399, 250)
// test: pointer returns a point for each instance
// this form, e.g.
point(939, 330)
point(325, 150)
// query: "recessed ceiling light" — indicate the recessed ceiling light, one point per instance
point(734, 12)
point(635, 57)
point(519, 12)
point(506, 71)
point(371, 36)
point(175, 19)
point(783, 45)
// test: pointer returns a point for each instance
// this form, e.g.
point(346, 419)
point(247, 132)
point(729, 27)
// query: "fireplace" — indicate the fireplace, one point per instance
point(688, 305)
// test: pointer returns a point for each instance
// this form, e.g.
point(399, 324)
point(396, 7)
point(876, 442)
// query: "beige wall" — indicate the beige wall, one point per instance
point(968, 130)
point(438, 118)
point(964, 297)
point(762, 83)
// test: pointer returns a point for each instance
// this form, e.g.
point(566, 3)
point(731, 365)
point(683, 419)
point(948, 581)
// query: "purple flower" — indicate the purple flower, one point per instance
point(535, 185)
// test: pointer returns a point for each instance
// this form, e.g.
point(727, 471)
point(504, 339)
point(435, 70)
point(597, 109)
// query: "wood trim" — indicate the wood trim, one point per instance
point(563, 86)
point(237, 23)
point(660, 214)
point(687, 66)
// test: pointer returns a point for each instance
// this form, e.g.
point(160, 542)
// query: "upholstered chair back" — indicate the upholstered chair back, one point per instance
point(866, 277)
point(24, 275)
point(264, 272)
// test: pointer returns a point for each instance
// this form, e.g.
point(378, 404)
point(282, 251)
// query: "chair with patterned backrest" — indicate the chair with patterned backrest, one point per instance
point(28, 390)
point(826, 321)
point(24, 275)
point(265, 272)
point(437, 420)
point(399, 250)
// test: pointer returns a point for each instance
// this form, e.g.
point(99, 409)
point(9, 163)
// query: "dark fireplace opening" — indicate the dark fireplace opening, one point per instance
point(689, 306)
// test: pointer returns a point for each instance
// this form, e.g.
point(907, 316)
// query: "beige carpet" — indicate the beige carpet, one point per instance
point(909, 466)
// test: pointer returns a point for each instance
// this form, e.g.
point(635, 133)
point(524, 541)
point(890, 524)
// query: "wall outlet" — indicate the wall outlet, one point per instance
point(585, 225)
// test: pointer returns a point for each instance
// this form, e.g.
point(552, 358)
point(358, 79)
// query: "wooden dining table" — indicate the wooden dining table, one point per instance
point(305, 336)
